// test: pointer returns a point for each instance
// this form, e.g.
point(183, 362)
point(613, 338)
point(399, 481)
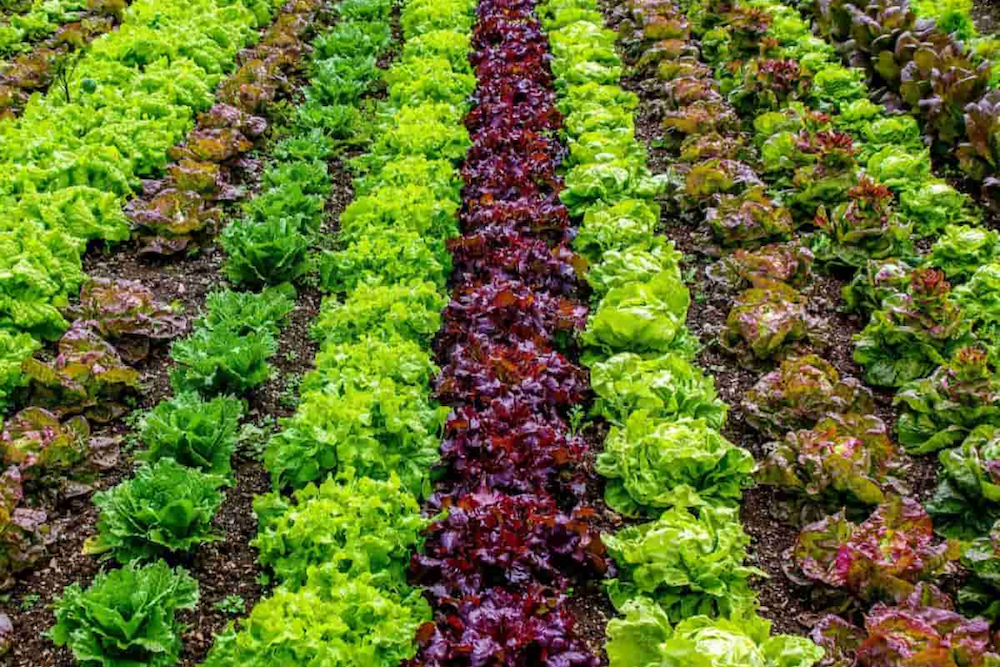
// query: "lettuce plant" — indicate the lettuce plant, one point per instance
point(769, 83)
point(874, 281)
point(635, 264)
point(802, 391)
point(493, 540)
point(265, 252)
point(830, 172)
point(688, 564)
point(982, 558)
point(766, 320)
point(652, 465)
point(126, 617)
point(844, 459)
point(55, 457)
point(967, 499)
point(882, 558)
point(860, 229)
point(979, 300)
point(507, 629)
point(247, 313)
point(606, 227)
point(338, 621)
point(24, 533)
point(409, 310)
point(645, 637)
point(126, 314)
point(360, 525)
point(748, 219)
point(961, 250)
point(940, 410)
point(921, 629)
point(166, 508)
point(931, 205)
point(912, 332)
point(14, 349)
point(789, 263)
point(194, 432)
point(88, 376)
point(665, 387)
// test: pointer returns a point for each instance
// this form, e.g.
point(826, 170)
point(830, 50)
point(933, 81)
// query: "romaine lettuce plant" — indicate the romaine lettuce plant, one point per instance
point(967, 499)
point(882, 558)
point(126, 617)
point(844, 459)
point(194, 432)
point(912, 332)
point(360, 525)
point(688, 564)
point(979, 597)
point(769, 319)
point(801, 392)
point(667, 386)
point(166, 508)
point(941, 409)
point(874, 281)
point(652, 465)
point(215, 362)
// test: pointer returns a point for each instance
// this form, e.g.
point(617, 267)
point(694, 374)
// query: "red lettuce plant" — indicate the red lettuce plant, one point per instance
point(23, 531)
point(768, 319)
point(769, 84)
point(923, 629)
point(126, 313)
point(789, 263)
point(500, 628)
point(86, 377)
point(801, 392)
point(749, 219)
point(876, 280)
point(843, 459)
point(882, 558)
point(490, 539)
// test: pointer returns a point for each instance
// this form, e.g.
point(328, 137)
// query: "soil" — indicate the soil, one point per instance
point(986, 16)
point(225, 568)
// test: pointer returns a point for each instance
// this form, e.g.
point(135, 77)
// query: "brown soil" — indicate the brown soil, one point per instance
point(986, 16)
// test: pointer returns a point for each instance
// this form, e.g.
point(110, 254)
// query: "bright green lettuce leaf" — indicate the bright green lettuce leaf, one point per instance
point(967, 499)
point(655, 464)
point(605, 227)
point(979, 300)
point(634, 264)
point(410, 310)
point(214, 362)
point(195, 433)
point(961, 250)
point(14, 349)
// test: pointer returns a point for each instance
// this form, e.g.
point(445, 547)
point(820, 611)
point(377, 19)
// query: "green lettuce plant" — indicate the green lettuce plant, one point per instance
point(410, 310)
point(961, 250)
point(14, 349)
point(966, 501)
point(688, 564)
point(940, 410)
point(218, 362)
point(126, 617)
point(873, 282)
point(359, 525)
point(979, 301)
point(166, 508)
point(666, 386)
point(645, 637)
point(980, 597)
point(653, 464)
point(194, 432)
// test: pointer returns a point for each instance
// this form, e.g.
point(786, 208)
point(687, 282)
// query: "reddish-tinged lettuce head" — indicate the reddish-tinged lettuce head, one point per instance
point(768, 319)
point(882, 558)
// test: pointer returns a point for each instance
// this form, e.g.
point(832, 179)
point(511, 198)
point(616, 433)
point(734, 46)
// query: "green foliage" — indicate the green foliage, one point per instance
point(666, 387)
point(215, 362)
point(688, 564)
point(166, 508)
point(386, 256)
point(645, 638)
point(979, 301)
point(634, 264)
point(654, 464)
point(126, 617)
point(265, 252)
point(449, 43)
point(231, 604)
point(357, 525)
point(383, 428)
point(961, 250)
point(616, 227)
point(767, 319)
point(194, 432)
point(339, 621)
point(14, 349)
point(342, 365)
point(409, 310)
point(932, 205)
point(967, 499)
point(246, 313)
point(437, 176)
point(982, 557)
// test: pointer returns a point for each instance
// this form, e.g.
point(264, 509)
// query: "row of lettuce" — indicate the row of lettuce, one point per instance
point(90, 376)
point(682, 580)
point(783, 138)
point(359, 451)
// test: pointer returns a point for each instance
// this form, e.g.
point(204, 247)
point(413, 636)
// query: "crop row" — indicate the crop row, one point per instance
point(20, 31)
point(824, 157)
point(359, 451)
point(938, 70)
